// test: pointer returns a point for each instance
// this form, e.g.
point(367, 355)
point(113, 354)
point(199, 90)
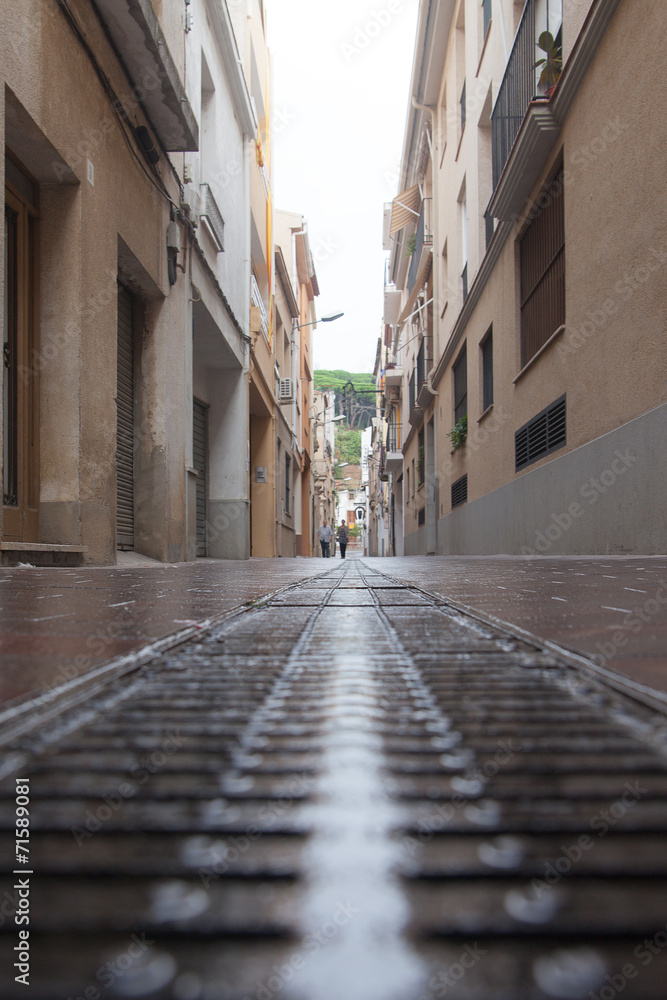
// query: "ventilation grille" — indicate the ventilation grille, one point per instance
point(460, 491)
point(421, 517)
point(543, 434)
point(286, 390)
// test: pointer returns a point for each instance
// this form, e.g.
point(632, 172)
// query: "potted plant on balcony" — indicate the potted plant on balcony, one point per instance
point(552, 62)
point(411, 245)
point(459, 433)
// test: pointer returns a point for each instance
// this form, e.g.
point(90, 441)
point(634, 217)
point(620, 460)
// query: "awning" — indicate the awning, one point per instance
point(422, 278)
point(405, 208)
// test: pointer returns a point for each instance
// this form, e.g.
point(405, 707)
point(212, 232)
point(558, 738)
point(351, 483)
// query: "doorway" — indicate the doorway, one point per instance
point(20, 486)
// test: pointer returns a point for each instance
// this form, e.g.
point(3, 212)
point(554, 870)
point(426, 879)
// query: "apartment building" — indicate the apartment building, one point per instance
point(153, 327)
point(523, 356)
point(96, 420)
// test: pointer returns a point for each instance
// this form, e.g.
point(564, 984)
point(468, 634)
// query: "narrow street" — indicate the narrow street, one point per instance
point(349, 791)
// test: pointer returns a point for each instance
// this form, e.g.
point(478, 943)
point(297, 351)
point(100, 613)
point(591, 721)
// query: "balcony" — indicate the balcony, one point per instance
point(135, 31)
point(257, 303)
point(524, 128)
point(393, 458)
point(423, 241)
point(393, 377)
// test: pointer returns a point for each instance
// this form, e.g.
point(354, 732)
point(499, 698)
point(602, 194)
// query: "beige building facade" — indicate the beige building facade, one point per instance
point(528, 350)
point(146, 337)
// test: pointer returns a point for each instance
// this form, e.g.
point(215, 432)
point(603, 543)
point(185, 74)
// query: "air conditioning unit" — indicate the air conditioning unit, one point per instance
point(394, 394)
point(286, 390)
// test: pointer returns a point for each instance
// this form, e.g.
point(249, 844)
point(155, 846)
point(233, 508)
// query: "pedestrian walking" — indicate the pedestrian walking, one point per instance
point(324, 534)
point(342, 538)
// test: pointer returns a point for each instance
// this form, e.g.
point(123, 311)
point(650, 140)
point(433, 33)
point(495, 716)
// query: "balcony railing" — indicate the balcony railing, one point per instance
point(393, 437)
point(424, 235)
point(524, 80)
point(256, 300)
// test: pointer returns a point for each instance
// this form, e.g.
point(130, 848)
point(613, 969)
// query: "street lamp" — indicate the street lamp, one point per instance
point(324, 319)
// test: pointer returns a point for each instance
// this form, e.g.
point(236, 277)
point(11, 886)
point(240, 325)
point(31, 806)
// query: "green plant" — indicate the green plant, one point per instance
point(459, 433)
point(552, 62)
point(411, 245)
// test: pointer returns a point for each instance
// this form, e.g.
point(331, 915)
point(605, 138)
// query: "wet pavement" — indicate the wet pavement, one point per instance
point(57, 625)
point(351, 792)
point(610, 609)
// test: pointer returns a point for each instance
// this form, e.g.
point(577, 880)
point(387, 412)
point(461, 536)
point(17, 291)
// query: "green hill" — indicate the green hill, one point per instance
point(355, 394)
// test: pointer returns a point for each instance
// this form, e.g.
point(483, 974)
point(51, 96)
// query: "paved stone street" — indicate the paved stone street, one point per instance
point(349, 790)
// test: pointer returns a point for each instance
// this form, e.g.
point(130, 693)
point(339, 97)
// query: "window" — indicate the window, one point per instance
point(288, 481)
point(463, 107)
point(413, 389)
point(421, 365)
point(543, 434)
point(407, 483)
point(487, 370)
point(421, 461)
point(486, 12)
point(460, 371)
point(464, 245)
point(542, 254)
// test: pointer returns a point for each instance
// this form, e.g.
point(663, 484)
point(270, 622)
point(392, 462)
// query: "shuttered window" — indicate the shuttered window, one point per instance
point(200, 463)
point(487, 371)
point(125, 423)
point(461, 386)
point(543, 272)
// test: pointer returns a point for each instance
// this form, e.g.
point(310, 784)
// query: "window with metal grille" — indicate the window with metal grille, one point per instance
point(461, 386)
point(543, 434)
point(543, 272)
point(487, 370)
point(421, 518)
point(486, 9)
point(460, 491)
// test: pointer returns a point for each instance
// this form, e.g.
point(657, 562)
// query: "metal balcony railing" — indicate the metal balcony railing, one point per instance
point(424, 235)
point(524, 80)
point(393, 437)
point(256, 300)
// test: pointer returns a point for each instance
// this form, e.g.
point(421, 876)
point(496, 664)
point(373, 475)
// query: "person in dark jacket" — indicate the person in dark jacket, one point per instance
point(342, 538)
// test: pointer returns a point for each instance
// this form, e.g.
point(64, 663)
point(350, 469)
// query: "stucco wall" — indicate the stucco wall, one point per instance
point(606, 497)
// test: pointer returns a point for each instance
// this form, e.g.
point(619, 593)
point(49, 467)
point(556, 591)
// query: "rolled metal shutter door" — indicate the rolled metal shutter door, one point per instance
point(200, 463)
point(125, 423)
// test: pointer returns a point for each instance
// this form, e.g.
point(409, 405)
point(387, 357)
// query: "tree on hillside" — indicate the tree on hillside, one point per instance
point(355, 394)
point(348, 446)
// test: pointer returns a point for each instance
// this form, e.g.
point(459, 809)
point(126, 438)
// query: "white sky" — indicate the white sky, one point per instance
point(341, 73)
